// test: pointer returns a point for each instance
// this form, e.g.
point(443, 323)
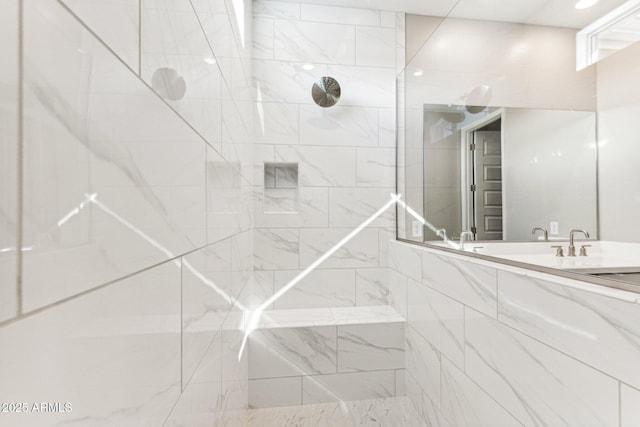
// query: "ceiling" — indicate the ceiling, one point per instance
point(557, 13)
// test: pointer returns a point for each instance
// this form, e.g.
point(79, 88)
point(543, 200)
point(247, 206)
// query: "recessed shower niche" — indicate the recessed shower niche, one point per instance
point(280, 188)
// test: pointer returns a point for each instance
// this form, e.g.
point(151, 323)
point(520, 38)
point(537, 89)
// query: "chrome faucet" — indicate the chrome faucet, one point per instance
point(441, 232)
point(465, 233)
point(572, 247)
point(544, 231)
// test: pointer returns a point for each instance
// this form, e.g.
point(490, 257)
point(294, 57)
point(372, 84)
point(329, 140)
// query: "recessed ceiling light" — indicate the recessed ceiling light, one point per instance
point(307, 67)
point(583, 4)
point(209, 60)
point(418, 73)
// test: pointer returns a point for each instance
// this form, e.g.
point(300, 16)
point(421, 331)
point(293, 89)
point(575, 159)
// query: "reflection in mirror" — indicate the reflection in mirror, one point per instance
point(500, 172)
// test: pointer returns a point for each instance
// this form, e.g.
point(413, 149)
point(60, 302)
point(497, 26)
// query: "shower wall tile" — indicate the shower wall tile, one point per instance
point(290, 82)
point(376, 47)
point(439, 319)
point(398, 291)
point(283, 352)
point(272, 392)
point(276, 9)
point(423, 363)
point(114, 354)
point(320, 288)
point(372, 286)
point(321, 166)
point(387, 128)
point(525, 375)
point(543, 310)
point(350, 207)
point(311, 210)
point(8, 158)
point(116, 23)
point(338, 126)
point(276, 249)
point(630, 406)
point(343, 15)
point(371, 347)
point(235, 371)
point(95, 208)
point(359, 252)
point(365, 86)
point(347, 387)
point(277, 123)
point(469, 283)
point(406, 260)
point(317, 42)
point(375, 167)
point(262, 38)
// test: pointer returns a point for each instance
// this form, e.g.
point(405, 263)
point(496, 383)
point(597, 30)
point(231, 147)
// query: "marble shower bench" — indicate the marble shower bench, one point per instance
point(309, 356)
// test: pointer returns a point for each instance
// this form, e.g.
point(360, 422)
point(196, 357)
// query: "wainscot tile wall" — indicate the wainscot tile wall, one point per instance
point(493, 345)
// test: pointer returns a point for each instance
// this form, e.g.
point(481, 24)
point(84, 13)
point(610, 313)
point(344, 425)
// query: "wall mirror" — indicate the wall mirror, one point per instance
point(498, 133)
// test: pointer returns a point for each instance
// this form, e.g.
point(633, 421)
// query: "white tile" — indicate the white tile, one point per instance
point(630, 406)
point(406, 260)
point(115, 22)
point(114, 354)
point(276, 9)
point(372, 286)
point(321, 166)
point(466, 404)
point(311, 210)
point(350, 207)
point(398, 292)
point(471, 284)
point(376, 167)
point(576, 322)
point(370, 347)
point(387, 19)
point(439, 319)
point(376, 47)
point(338, 125)
point(276, 123)
point(387, 127)
point(537, 384)
point(365, 86)
point(346, 387)
point(262, 38)
point(276, 249)
point(423, 364)
point(401, 382)
point(432, 415)
point(235, 371)
point(386, 236)
point(280, 81)
point(340, 15)
point(320, 288)
point(71, 152)
point(8, 159)
point(271, 392)
point(292, 352)
point(360, 251)
point(314, 42)
point(414, 393)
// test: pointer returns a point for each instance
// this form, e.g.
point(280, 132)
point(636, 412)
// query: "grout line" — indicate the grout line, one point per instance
point(181, 321)
point(20, 164)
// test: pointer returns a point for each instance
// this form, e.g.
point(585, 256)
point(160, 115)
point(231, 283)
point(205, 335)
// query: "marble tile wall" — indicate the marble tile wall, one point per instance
point(494, 345)
point(135, 219)
point(345, 155)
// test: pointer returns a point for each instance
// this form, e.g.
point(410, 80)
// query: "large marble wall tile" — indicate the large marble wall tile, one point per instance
point(314, 41)
point(629, 406)
point(280, 81)
point(365, 86)
point(116, 22)
point(339, 15)
point(537, 384)
point(234, 390)
point(8, 158)
point(340, 125)
point(398, 292)
point(320, 288)
point(311, 209)
point(207, 296)
point(464, 404)
point(276, 9)
point(602, 332)
point(387, 128)
point(432, 415)
point(371, 347)
point(276, 123)
point(359, 252)
point(272, 392)
point(276, 249)
point(414, 393)
point(375, 167)
point(227, 197)
point(350, 207)
point(386, 236)
point(200, 402)
point(376, 47)
point(406, 259)
point(113, 354)
point(347, 387)
point(262, 38)
point(283, 352)
point(423, 363)
point(439, 319)
point(372, 286)
point(321, 166)
point(91, 213)
point(471, 284)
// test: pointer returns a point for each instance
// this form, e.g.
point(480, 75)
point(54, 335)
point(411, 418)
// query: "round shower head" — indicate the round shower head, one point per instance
point(326, 92)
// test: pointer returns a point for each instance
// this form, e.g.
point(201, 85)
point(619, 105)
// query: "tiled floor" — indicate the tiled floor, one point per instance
point(390, 412)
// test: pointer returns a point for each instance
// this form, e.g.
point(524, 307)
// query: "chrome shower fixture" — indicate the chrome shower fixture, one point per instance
point(326, 92)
